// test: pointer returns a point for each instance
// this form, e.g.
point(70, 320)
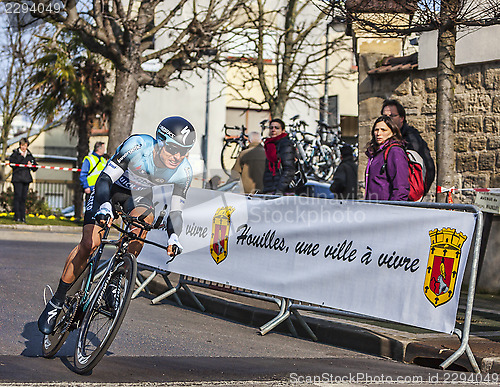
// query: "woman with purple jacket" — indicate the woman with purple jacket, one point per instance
point(387, 175)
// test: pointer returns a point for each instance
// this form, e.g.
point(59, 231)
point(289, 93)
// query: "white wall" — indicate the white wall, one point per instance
point(186, 99)
point(473, 46)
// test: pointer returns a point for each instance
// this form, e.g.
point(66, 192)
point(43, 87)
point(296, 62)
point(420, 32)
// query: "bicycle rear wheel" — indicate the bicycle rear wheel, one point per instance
point(65, 321)
point(229, 154)
point(105, 313)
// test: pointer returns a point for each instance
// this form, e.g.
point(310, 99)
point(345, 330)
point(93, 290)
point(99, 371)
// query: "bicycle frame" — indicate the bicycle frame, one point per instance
point(122, 243)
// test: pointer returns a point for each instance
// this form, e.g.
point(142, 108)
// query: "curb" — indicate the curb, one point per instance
point(28, 227)
point(370, 339)
point(335, 333)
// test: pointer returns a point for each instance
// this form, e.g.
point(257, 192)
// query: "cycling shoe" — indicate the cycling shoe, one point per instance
point(111, 294)
point(48, 318)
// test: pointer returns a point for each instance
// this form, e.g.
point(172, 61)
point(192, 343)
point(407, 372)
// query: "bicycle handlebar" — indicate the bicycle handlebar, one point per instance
point(138, 222)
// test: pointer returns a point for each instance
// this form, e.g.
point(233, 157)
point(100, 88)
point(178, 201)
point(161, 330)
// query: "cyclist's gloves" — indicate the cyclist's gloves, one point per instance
point(174, 246)
point(104, 214)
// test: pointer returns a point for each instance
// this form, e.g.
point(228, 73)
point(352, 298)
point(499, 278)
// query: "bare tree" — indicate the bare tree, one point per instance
point(17, 50)
point(284, 53)
point(129, 33)
point(404, 17)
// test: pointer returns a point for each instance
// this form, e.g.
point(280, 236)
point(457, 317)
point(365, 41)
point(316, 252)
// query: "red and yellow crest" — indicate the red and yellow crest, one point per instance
point(220, 233)
point(442, 266)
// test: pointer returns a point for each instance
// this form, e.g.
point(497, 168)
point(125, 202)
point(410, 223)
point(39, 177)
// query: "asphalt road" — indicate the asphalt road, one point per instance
point(162, 343)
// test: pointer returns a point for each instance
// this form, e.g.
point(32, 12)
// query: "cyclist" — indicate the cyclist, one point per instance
point(140, 163)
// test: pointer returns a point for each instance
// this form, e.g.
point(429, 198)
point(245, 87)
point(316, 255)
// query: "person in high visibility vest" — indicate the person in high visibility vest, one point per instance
point(92, 166)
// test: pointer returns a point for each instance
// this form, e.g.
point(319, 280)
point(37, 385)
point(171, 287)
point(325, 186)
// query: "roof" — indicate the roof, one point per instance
point(393, 64)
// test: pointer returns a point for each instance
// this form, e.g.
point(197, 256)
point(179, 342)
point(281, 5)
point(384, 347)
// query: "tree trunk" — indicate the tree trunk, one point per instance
point(82, 150)
point(278, 108)
point(123, 109)
point(445, 156)
point(3, 158)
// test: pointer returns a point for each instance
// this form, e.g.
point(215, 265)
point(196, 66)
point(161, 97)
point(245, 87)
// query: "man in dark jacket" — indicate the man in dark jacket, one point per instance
point(280, 159)
point(345, 180)
point(414, 141)
point(21, 178)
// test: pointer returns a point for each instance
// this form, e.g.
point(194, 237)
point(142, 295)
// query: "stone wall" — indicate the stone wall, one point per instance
point(476, 117)
point(477, 131)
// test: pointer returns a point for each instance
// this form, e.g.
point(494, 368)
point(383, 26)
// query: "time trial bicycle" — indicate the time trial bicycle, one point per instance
point(98, 300)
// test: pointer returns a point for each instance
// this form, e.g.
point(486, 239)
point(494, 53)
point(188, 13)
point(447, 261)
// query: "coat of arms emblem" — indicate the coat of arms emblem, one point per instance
point(220, 233)
point(442, 266)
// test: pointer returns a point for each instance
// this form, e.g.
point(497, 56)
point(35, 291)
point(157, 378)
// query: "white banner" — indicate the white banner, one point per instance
point(397, 263)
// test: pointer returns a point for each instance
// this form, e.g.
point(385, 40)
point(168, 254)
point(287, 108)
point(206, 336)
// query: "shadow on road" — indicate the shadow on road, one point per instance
point(33, 341)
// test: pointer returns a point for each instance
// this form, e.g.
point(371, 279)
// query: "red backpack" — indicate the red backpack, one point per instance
point(416, 175)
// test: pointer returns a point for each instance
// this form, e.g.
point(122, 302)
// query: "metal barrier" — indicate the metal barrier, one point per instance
point(462, 335)
point(288, 307)
point(186, 281)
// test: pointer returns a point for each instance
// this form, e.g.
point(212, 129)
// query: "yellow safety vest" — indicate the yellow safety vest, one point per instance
point(96, 169)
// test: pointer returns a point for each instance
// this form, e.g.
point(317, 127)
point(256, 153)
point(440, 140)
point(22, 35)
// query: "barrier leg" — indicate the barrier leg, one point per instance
point(304, 325)
point(464, 336)
point(171, 291)
point(459, 352)
point(139, 280)
point(291, 327)
point(144, 284)
point(193, 297)
point(169, 285)
point(282, 316)
point(162, 296)
point(281, 305)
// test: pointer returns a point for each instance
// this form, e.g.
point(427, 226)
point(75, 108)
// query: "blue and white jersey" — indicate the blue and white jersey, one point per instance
point(133, 167)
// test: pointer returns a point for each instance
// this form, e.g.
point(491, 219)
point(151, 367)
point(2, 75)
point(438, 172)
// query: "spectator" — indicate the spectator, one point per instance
point(345, 179)
point(92, 166)
point(250, 165)
point(21, 178)
point(280, 163)
point(412, 137)
point(386, 180)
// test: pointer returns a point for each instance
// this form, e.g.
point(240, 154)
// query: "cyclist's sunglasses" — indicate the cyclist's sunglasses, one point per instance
point(174, 149)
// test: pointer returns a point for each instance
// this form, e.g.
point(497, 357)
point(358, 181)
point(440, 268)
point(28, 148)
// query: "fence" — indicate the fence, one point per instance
point(57, 194)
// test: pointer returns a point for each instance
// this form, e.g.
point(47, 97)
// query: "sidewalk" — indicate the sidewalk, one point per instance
point(381, 338)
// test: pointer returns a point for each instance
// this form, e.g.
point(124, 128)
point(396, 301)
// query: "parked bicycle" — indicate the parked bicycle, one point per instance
point(97, 302)
point(316, 158)
point(235, 141)
point(331, 136)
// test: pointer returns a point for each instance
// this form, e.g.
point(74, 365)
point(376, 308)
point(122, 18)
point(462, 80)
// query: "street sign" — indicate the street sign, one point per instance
point(488, 202)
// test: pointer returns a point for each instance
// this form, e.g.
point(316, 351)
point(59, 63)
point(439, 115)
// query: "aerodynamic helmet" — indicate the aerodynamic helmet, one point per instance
point(176, 135)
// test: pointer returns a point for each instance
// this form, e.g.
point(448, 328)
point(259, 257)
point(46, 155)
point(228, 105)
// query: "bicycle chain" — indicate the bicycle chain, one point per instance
point(75, 302)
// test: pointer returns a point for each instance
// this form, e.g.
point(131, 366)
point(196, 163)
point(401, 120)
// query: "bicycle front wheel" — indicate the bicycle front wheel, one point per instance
point(229, 154)
point(105, 312)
